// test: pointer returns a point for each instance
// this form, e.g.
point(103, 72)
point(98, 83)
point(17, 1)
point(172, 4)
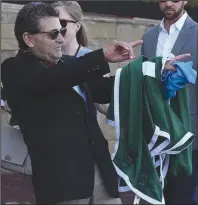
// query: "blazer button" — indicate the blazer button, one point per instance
point(77, 113)
point(8, 157)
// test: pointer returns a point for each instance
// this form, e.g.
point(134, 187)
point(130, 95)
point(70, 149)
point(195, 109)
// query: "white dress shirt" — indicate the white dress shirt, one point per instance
point(167, 40)
point(80, 92)
point(2, 103)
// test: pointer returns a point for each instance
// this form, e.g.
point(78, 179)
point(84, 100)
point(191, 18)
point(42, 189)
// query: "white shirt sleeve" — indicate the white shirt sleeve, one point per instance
point(2, 103)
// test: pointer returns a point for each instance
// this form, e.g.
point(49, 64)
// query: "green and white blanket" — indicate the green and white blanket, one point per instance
point(153, 136)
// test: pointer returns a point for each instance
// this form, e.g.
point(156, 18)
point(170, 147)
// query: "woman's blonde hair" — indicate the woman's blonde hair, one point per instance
point(75, 11)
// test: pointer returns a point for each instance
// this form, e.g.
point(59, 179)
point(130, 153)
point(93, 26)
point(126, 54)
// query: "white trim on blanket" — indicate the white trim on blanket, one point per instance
point(148, 68)
point(186, 137)
point(159, 148)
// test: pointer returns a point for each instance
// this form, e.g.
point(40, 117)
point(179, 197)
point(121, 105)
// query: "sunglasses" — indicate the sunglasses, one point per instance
point(54, 34)
point(63, 22)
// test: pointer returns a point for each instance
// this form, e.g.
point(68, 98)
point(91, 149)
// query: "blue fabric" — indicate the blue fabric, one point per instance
point(83, 51)
point(175, 80)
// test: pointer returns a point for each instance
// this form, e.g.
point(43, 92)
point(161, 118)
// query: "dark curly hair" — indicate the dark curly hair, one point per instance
point(27, 20)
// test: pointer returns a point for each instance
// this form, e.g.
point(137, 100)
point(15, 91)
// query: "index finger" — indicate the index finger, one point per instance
point(131, 54)
point(180, 57)
point(136, 43)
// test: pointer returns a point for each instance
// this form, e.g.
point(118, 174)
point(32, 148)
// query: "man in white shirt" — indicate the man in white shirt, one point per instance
point(175, 35)
point(169, 30)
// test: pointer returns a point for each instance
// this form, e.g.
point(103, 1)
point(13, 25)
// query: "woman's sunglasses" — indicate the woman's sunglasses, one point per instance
point(63, 22)
point(54, 34)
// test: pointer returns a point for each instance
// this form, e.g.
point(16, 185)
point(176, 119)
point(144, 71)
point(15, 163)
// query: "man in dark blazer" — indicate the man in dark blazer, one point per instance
point(59, 126)
point(177, 34)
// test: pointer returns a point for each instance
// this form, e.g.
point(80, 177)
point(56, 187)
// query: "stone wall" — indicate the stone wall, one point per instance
point(102, 30)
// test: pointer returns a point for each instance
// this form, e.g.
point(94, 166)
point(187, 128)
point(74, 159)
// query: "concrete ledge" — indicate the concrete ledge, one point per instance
point(122, 20)
point(13, 8)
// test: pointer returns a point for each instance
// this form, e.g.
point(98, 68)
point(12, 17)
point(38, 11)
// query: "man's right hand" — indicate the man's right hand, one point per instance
point(121, 51)
point(168, 65)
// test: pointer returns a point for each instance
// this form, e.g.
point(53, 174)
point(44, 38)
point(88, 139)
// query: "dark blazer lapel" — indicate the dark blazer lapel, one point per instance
point(154, 40)
point(184, 36)
point(86, 89)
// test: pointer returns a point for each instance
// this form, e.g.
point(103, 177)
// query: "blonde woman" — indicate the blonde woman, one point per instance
point(71, 17)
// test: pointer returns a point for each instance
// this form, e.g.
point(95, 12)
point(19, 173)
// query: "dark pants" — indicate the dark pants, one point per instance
point(182, 189)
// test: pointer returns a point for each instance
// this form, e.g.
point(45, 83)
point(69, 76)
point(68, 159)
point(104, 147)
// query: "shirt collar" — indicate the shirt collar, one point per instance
point(178, 24)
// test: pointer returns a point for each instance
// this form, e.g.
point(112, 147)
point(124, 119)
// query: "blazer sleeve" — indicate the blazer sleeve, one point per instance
point(101, 89)
point(34, 77)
